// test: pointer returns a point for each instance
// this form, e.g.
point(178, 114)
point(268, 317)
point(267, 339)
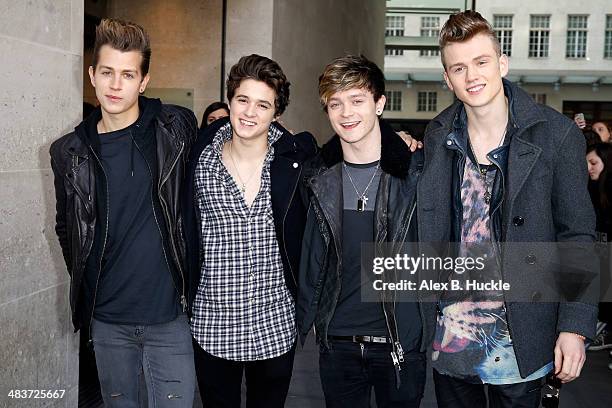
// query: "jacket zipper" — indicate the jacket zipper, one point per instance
point(498, 249)
point(90, 341)
point(156, 221)
point(170, 227)
point(397, 353)
point(333, 237)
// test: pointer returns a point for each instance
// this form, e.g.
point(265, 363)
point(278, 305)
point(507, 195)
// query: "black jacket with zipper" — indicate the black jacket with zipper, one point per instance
point(288, 209)
point(81, 202)
point(394, 223)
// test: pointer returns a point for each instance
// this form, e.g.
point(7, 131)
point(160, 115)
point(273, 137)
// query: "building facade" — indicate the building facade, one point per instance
point(560, 54)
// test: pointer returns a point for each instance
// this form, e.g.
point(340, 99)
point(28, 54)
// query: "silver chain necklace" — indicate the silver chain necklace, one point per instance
point(362, 198)
point(243, 183)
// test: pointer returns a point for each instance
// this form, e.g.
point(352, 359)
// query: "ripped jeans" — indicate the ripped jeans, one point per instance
point(163, 352)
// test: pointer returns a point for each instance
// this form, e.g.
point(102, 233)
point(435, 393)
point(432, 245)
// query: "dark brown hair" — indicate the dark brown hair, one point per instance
point(604, 183)
point(260, 69)
point(348, 72)
point(123, 36)
point(461, 27)
point(210, 109)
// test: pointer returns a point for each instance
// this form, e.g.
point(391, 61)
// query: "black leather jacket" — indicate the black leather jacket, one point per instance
point(394, 222)
point(79, 179)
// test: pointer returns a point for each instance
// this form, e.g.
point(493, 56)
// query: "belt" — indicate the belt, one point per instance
point(362, 339)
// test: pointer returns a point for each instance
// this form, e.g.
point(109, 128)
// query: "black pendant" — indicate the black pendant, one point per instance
point(361, 204)
point(487, 197)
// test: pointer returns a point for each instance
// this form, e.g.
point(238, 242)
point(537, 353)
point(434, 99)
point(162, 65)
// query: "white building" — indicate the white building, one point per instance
point(558, 52)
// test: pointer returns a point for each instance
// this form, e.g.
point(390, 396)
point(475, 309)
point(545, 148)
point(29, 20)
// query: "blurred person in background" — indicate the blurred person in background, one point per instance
point(591, 138)
point(603, 130)
point(599, 161)
point(214, 111)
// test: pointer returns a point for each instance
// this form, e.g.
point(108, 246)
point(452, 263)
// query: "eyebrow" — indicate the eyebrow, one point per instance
point(473, 59)
point(259, 100)
point(358, 95)
point(113, 69)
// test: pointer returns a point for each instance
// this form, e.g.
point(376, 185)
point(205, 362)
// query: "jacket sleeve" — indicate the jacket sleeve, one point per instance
point(574, 220)
point(191, 129)
point(60, 211)
point(310, 272)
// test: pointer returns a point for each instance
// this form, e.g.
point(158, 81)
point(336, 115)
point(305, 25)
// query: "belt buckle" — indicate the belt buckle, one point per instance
point(379, 339)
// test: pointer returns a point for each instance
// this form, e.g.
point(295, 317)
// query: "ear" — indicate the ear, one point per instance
point(143, 83)
point(380, 104)
point(503, 65)
point(447, 80)
point(91, 76)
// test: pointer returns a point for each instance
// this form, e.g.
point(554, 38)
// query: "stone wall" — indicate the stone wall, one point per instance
point(40, 99)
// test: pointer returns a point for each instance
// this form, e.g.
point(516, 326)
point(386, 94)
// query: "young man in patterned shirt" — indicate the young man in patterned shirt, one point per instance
point(244, 219)
point(500, 168)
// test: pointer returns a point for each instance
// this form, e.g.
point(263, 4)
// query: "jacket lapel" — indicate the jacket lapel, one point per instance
point(522, 157)
point(284, 178)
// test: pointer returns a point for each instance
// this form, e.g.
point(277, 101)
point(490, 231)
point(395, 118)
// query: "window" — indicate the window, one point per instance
point(539, 98)
point(576, 36)
point(503, 30)
point(427, 101)
point(608, 37)
point(394, 27)
point(430, 27)
point(394, 101)
point(539, 36)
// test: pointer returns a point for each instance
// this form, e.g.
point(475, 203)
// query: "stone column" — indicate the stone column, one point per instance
point(40, 99)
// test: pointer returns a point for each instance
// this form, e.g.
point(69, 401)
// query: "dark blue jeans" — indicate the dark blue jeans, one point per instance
point(162, 351)
point(349, 371)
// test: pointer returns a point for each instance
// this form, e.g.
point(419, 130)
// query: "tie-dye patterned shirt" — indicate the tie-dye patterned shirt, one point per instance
point(472, 339)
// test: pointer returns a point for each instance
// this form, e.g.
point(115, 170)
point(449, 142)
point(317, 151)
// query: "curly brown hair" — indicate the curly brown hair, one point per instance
point(261, 69)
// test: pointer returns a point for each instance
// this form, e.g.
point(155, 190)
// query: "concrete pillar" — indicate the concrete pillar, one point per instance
point(303, 37)
point(40, 99)
point(308, 35)
point(185, 42)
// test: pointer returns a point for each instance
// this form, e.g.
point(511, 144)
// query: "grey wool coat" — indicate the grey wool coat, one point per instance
point(545, 200)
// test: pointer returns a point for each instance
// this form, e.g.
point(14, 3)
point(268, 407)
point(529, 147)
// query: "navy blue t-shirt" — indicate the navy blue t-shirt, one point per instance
point(353, 317)
point(135, 285)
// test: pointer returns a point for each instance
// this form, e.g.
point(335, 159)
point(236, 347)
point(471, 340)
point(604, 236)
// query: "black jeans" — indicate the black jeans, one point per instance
point(350, 370)
point(455, 393)
point(220, 380)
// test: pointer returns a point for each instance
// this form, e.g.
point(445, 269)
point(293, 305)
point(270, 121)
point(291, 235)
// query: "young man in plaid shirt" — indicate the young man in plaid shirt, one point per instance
point(244, 219)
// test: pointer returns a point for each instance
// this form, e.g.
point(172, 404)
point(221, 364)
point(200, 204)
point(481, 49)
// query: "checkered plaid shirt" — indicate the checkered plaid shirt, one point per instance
point(243, 310)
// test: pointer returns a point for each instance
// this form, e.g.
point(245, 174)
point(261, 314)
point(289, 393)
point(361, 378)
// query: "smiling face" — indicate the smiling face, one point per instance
point(474, 71)
point(353, 114)
point(118, 80)
point(252, 109)
point(595, 165)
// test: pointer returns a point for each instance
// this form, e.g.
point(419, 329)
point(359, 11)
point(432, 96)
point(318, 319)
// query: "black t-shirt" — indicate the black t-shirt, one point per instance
point(353, 317)
point(135, 285)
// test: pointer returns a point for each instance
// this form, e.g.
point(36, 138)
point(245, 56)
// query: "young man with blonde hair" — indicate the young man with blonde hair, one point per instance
point(362, 189)
point(500, 168)
point(117, 178)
